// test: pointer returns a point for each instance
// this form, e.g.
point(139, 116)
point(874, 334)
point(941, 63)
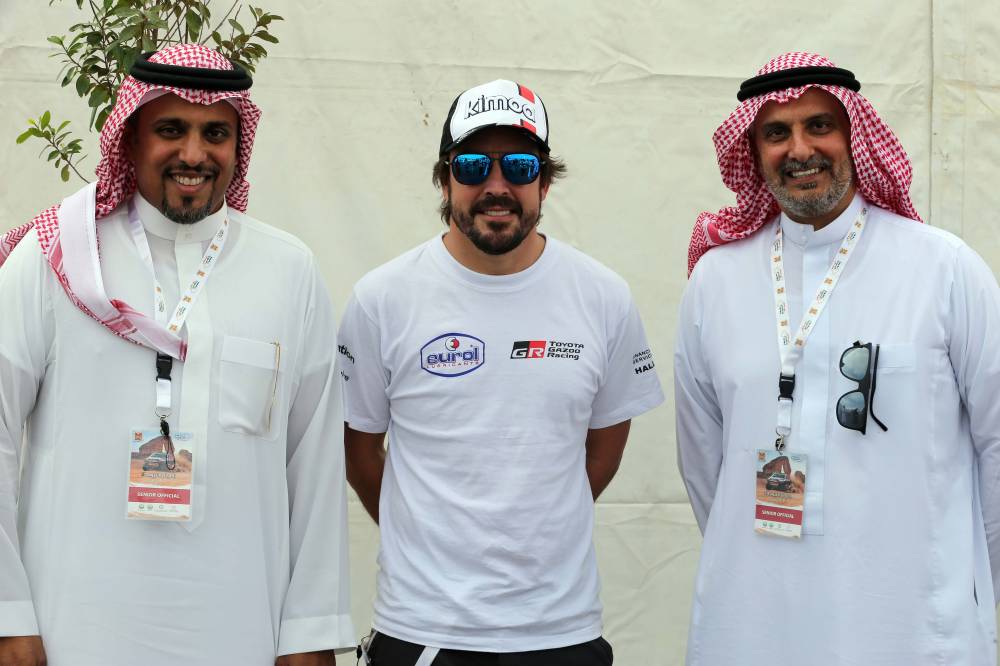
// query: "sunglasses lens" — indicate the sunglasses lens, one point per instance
point(520, 168)
point(470, 169)
point(854, 363)
point(852, 411)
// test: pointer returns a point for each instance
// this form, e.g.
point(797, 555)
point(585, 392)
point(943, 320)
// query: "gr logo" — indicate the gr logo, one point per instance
point(528, 349)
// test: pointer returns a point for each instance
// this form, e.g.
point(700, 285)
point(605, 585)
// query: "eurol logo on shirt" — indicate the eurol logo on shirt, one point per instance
point(452, 354)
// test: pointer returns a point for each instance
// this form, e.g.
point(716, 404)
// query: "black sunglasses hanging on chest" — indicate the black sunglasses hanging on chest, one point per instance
point(859, 364)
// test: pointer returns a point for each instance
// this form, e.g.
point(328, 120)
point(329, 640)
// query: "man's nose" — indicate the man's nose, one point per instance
point(193, 151)
point(495, 182)
point(799, 146)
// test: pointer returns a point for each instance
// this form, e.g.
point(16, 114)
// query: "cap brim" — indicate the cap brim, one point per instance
point(454, 144)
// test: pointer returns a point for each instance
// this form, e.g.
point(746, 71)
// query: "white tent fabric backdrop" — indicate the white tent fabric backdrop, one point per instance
point(354, 97)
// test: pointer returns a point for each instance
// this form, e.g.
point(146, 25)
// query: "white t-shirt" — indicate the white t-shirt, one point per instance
point(487, 386)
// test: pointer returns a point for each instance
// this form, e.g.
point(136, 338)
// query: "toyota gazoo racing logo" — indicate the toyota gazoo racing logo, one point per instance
point(452, 355)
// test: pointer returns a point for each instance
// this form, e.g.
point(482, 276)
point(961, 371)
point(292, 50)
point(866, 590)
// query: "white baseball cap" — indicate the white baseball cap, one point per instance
point(499, 103)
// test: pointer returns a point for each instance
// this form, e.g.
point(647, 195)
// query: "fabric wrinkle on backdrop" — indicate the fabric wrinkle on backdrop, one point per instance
point(350, 96)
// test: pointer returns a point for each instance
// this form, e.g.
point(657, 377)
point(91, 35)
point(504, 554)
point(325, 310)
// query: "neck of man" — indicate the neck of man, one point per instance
point(520, 258)
point(821, 221)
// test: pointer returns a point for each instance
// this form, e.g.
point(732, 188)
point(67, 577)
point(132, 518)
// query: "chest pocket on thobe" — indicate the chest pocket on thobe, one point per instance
point(896, 392)
point(250, 386)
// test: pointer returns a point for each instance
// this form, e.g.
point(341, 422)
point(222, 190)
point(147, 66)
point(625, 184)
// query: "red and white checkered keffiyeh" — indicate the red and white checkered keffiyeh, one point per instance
point(882, 166)
point(116, 183)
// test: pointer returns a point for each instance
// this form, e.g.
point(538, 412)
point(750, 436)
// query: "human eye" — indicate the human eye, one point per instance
point(775, 132)
point(821, 125)
point(169, 131)
point(217, 133)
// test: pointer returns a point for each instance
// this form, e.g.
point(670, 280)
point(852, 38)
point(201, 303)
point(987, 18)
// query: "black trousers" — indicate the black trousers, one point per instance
point(388, 651)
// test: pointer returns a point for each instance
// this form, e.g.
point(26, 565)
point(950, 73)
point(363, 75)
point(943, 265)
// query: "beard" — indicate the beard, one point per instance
point(802, 204)
point(501, 237)
point(185, 213)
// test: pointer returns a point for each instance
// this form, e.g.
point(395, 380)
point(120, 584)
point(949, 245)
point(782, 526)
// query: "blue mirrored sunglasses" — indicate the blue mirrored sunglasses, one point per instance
point(517, 168)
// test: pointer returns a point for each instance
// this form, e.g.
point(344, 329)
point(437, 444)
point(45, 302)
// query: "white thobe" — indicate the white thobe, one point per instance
point(262, 568)
point(893, 567)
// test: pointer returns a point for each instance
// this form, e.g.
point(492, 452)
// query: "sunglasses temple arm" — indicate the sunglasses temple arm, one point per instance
point(871, 401)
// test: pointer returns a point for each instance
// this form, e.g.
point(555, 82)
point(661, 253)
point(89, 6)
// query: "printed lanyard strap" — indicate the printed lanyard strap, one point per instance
point(164, 363)
point(789, 350)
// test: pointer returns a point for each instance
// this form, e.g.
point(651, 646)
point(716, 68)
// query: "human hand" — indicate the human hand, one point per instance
point(322, 658)
point(22, 651)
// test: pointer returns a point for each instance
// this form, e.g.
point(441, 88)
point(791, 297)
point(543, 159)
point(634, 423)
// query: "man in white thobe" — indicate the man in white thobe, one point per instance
point(249, 564)
point(887, 397)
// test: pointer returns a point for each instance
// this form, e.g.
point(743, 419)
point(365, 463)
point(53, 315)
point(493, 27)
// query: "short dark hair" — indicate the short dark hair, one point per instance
point(552, 169)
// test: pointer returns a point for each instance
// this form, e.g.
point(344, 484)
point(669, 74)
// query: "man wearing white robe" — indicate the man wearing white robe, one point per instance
point(898, 559)
point(260, 570)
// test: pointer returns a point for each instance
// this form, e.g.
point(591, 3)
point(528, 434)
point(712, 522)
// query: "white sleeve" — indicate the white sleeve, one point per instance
point(630, 385)
point(975, 358)
point(316, 612)
point(26, 335)
point(698, 416)
point(362, 372)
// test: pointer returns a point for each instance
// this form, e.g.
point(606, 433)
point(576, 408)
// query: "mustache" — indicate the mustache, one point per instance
point(493, 201)
point(188, 170)
point(814, 162)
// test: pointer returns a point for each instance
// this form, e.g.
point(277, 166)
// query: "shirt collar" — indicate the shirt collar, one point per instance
point(804, 235)
point(157, 223)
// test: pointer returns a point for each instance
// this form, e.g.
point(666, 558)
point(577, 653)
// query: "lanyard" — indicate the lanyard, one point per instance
point(185, 304)
point(789, 350)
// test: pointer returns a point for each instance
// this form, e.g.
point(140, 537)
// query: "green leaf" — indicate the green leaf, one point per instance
point(54, 154)
point(62, 126)
point(125, 11)
point(193, 20)
point(55, 39)
point(267, 37)
point(129, 59)
point(82, 85)
point(236, 25)
point(102, 118)
point(98, 96)
point(129, 33)
point(44, 120)
point(65, 173)
point(25, 135)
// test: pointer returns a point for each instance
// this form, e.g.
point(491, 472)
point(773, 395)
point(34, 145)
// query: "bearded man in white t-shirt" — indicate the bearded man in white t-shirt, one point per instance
point(505, 367)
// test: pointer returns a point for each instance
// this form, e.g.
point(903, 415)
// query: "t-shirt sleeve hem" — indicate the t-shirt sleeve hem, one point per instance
point(628, 411)
point(17, 618)
point(312, 634)
point(365, 425)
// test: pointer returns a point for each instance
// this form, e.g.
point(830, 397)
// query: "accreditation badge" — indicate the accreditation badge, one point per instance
point(781, 490)
point(159, 475)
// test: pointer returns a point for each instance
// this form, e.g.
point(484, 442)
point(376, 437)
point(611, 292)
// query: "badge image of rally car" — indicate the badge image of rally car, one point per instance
point(156, 460)
point(779, 481)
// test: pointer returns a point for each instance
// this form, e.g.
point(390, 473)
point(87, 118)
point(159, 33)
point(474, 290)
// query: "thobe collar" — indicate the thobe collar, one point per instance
point(804, 235)
point(156, 223)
